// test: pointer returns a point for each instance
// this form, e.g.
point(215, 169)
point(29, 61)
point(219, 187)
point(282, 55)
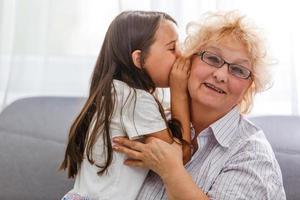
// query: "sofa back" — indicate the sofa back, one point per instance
point(34, 130)
point(283, 133)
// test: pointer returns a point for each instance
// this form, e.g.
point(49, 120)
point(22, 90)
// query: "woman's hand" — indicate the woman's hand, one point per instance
point(157, 155)
point(166, 160)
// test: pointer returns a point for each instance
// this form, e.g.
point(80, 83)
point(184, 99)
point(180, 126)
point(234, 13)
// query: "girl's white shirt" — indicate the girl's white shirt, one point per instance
point(132, 117)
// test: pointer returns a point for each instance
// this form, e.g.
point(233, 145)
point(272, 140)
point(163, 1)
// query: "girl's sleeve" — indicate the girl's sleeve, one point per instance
point(141, 116)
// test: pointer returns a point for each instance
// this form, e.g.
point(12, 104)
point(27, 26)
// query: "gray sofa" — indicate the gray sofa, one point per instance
point(283, 132)
point(33, 133)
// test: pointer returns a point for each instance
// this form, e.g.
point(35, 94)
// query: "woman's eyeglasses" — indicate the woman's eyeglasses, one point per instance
point(217, 61)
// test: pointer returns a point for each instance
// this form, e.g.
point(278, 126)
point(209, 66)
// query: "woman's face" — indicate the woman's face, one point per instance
point(162, 53)
point(216, 88)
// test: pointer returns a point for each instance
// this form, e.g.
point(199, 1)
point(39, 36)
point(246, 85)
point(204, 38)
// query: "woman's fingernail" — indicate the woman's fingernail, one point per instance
point(115, 147)
point(116, 139)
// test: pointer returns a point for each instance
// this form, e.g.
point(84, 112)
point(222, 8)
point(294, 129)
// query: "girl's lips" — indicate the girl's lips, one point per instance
point(215, 88)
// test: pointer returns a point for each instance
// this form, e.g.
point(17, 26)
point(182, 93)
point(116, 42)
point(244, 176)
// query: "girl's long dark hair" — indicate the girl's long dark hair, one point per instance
point(129, 31)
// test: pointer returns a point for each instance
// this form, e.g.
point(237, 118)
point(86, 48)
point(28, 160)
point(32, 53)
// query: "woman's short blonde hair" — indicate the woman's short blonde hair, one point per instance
point(217, 26)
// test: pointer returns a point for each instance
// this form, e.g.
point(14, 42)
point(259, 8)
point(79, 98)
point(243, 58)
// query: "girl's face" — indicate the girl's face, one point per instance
point(162, 53)
point(216, 88)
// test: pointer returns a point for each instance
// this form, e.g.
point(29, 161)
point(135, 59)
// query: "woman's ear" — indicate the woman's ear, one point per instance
point(136, 58)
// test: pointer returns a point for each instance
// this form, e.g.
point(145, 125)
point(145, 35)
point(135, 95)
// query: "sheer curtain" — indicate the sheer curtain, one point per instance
point(49, 47)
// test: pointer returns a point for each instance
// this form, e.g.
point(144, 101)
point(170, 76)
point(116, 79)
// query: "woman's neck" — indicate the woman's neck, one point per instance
point(203, 116)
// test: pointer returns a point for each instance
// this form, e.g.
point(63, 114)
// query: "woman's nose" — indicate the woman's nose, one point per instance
point(221, 74)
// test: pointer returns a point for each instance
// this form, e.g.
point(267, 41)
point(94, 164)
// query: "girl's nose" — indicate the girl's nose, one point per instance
point(178, 50)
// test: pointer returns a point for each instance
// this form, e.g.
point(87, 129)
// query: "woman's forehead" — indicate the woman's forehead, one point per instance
point(229, 47)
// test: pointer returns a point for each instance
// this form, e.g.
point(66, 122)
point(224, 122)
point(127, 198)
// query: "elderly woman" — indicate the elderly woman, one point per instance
point(231, 157)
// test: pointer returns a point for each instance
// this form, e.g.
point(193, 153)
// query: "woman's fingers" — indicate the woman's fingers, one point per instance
point(134, 163)
point(129, 152)
point(156, 154)
point(135, 145)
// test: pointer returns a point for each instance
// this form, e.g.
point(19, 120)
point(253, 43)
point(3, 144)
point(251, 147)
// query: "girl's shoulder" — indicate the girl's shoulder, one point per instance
point(121, 89)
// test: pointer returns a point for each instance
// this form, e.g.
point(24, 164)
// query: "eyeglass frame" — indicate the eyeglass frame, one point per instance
point(201, 53)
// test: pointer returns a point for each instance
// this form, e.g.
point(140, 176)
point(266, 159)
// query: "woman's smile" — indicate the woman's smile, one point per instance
point(214, 88)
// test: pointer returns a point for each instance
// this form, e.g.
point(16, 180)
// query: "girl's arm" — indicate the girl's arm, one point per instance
point(179, 106)
point(180, 102)
point(165, 160)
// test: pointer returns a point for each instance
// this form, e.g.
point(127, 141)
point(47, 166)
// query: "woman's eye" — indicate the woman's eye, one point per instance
point(213, 59)
point(237, 70)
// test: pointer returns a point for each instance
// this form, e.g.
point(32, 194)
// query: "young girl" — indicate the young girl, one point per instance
point(137, 56)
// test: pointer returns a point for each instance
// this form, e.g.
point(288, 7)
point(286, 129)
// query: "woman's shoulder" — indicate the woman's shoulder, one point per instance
point(251, 158)
point(253, 143)
point(252, 140)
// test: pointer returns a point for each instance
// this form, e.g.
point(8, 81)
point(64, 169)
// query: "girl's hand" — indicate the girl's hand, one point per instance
point(179, 75)
point(157, 155)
